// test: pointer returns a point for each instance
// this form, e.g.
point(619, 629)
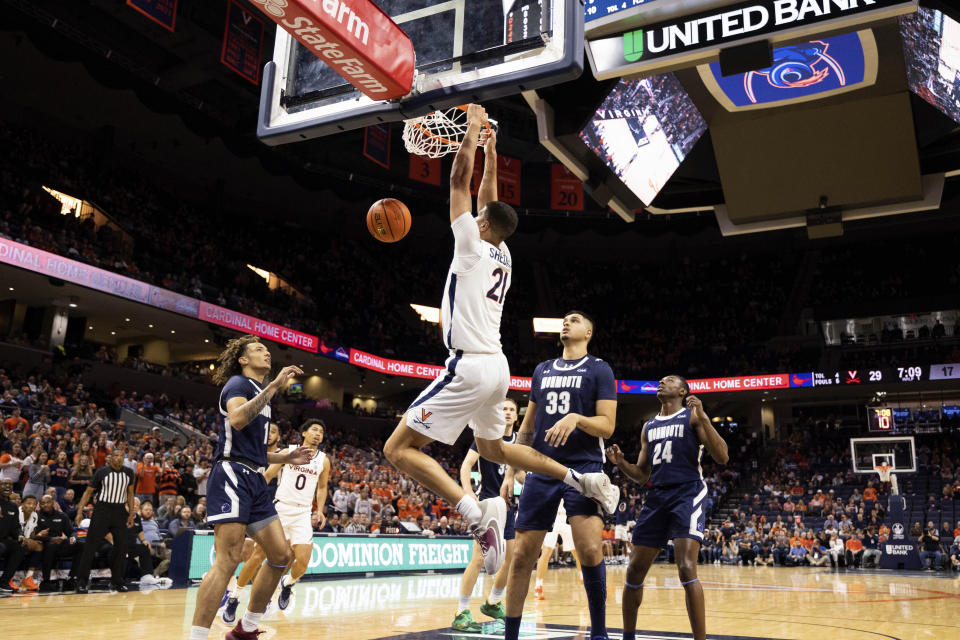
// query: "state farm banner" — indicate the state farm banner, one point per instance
point(355, 38)
point(248, 324)
point(741, 383)
point(50, 264)
point(415, 369)
point(242, 42)
point(163, 12)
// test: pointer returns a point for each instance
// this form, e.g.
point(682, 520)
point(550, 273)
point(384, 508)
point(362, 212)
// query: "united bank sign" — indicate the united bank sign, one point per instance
point(696, 38)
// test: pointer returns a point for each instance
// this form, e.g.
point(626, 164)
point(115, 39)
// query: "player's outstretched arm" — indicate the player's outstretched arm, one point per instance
point(272, 471)
point(241, 411)
point(488, 184)
point(639, 472)
point(716, 446)
point(462, 170)
point(300, 455)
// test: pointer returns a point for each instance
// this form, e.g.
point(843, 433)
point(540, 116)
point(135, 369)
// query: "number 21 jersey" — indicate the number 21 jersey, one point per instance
point(476, 288)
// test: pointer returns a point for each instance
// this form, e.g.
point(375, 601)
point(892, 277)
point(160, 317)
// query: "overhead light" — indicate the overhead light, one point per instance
point(401, 384)
point(329, 373)
point(315, 369)
point(212, 367)
point(383, 382)
point(11, 288)
point(206, 340)
point(427, 314)
point(150, 326)
point(172, 331)
point(126, 319)
point(547, 325)
point(113, 333)
point(90, 328)
point(72, 305)
point(361, 386)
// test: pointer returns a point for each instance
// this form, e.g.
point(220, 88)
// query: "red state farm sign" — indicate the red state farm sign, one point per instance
point(355, 37)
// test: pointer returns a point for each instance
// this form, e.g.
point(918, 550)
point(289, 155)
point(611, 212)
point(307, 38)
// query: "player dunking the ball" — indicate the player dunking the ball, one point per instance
point(237, 499)
point(573, 407)
point(671, 445)
point(471, 389)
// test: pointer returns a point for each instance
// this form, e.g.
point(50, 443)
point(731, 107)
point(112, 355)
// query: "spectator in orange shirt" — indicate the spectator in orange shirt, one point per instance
point(147, 472)
point(854, 549)
point(16, 423)
point(870, 493)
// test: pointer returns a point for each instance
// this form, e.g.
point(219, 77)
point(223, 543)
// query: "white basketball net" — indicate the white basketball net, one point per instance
point(884, 471)
point(439, 133)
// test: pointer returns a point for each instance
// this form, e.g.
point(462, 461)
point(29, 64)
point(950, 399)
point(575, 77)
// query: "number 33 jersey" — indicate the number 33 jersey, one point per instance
point(561, 387)
point(673, 449)
point(298, 482)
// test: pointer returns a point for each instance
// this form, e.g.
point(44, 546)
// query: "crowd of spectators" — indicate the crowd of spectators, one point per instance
point(807, 508)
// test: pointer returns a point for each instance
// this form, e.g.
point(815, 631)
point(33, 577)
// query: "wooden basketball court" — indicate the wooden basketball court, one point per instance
point(742, 602)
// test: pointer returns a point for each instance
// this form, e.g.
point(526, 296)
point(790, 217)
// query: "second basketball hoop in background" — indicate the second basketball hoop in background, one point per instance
point(388, 220)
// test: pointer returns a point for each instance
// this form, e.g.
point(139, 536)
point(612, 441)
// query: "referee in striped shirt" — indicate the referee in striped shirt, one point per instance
point(112, 513)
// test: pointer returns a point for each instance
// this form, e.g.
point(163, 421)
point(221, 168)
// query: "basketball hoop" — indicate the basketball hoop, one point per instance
point(439, 133)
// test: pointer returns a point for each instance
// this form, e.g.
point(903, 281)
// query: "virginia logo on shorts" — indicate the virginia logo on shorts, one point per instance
point(424, 416)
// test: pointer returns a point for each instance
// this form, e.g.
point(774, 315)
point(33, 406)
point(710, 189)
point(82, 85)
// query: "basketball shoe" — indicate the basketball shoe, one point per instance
point(538, 592)
point(465, 622)
point(489, 533)
point(237, 633)
point(597, 487)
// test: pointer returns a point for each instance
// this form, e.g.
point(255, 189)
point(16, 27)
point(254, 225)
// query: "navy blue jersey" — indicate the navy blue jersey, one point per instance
point(674, 450)
point(251, 441)
point(491, 473)
point(561, 387)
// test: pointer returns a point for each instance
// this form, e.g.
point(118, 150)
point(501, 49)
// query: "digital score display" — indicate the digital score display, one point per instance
point(881, 418)
point(595, 9)
point(911, 373)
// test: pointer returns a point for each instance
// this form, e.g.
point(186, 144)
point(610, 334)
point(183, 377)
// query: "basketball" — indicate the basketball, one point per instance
point(388, 220)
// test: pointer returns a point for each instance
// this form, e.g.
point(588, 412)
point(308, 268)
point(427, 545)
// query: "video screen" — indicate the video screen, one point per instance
point(951, 411)
point(643, 131)
point(901, 416)
point(931, 50)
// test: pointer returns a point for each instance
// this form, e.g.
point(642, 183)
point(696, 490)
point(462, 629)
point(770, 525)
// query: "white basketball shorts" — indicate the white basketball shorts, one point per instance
point(296, 523)
point(562, 529)
point(469, 392)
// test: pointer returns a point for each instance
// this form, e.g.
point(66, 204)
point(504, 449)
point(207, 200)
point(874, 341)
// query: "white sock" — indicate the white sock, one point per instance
point(250, 621)
point(199, 633)
point(573, 479)
point(232, 586)
point(539, 584)
point(287, 581)
point(29, 574)
point(496, 595)
point(240, 591)
point(470, 510)
point(464, 603)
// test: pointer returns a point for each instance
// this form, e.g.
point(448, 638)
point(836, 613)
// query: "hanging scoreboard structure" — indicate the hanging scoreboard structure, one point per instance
point(660, 35)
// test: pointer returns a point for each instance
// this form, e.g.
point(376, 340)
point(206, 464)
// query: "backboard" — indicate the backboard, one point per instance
point(466, 51)
point(868, 453)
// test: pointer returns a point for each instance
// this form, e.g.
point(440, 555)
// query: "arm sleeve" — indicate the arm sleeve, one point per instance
point(606, 384)
point(467, 244)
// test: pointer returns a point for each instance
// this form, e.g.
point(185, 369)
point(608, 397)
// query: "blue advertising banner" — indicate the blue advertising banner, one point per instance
point(242, 42)
point(163, 12)
point(376, 144)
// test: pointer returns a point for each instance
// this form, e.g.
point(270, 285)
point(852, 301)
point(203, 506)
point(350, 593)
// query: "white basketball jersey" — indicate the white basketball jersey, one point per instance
point(297, 484)
point(476, 288)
